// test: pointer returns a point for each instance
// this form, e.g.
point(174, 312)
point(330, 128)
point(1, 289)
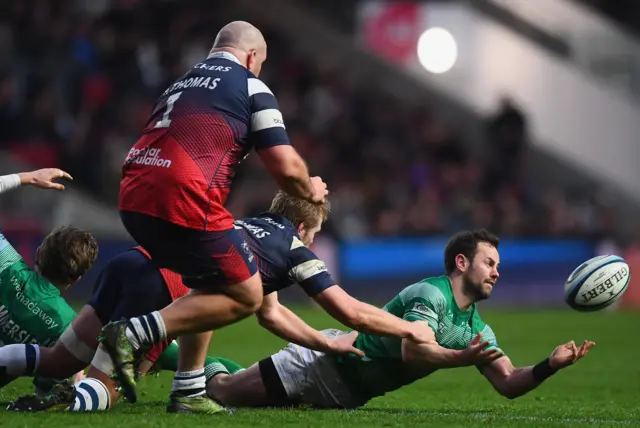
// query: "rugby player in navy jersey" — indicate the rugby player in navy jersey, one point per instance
point(176, 179)
point(130, 284)
point(279, 239)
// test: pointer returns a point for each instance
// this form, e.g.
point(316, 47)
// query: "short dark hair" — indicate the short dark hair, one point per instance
point(466, 243)
point(299, 211)
point(66, 254)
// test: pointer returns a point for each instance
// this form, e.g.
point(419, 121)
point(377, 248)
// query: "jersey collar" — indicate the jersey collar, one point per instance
point(224, 55)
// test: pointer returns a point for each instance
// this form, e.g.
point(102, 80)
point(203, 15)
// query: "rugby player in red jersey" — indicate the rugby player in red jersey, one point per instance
point(176, 179)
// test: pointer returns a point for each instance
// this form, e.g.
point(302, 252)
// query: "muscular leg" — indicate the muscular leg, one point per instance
point(198, 312)
point(227, 287)
point(201, 311)
point(209, 311)
point(193, 351)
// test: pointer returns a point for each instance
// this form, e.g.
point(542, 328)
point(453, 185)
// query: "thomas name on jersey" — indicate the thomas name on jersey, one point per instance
point(193, 82)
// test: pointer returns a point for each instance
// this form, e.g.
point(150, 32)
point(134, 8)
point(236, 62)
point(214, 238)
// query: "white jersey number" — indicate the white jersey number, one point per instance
point(165, 121)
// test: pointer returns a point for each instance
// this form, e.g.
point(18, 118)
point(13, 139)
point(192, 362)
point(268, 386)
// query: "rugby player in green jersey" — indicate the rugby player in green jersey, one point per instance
point(31, 307)
point(446, 304)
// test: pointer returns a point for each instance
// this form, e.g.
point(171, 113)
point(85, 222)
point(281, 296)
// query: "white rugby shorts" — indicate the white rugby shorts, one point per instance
point(311, 377)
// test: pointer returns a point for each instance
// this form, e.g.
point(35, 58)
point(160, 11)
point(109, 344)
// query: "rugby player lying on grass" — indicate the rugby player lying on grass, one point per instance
point(131, 285)
point(446, 304)
point(31, 307)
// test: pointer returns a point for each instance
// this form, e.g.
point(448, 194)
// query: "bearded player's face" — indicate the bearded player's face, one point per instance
point(482, 274)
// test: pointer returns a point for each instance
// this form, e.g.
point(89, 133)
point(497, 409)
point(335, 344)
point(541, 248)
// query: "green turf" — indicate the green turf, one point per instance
point(602, 390)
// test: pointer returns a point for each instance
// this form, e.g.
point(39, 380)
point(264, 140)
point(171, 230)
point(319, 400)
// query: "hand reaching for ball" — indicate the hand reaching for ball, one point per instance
point(567, 354)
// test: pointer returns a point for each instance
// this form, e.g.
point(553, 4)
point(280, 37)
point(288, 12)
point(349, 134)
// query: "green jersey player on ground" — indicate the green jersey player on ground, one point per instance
point(445, 304)
point(32, 309)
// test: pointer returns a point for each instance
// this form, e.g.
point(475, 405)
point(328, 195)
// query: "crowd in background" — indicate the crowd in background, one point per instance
point(78, 81)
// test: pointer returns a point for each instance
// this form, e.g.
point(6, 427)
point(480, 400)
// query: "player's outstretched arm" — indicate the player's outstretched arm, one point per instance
point(433, 355)
point(367, 318)
point(513, 382)
point(42, 178)
point(282, 322)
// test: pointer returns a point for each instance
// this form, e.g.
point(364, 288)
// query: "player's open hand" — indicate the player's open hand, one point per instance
point(343, 344)
point(475, 354)
point(43, 178)
point(319, 190)
point(567, 354)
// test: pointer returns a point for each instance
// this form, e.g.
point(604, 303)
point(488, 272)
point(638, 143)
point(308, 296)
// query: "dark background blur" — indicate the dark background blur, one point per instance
point(78, 80)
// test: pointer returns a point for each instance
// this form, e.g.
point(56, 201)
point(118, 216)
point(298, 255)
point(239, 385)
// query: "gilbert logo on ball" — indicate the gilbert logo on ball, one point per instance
point(597, 283)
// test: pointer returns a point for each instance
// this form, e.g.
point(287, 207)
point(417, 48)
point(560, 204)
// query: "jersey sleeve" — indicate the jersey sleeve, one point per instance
point(61, 316)
point(267, 125)
point(489, 336)
point(8, 254)
point(8, 182)
point(424, 302)
point(306, 269)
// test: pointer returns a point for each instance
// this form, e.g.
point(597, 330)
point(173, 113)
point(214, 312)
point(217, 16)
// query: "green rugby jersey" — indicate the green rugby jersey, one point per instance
point(31, 308)
point(382, 369)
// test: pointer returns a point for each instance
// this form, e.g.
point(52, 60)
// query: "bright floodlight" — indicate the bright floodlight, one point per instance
point(437, 50)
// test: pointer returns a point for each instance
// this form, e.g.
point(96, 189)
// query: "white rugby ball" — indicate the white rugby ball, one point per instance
point(597, 283)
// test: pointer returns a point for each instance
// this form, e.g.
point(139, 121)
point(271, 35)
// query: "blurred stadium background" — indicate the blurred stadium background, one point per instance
point(424, 118)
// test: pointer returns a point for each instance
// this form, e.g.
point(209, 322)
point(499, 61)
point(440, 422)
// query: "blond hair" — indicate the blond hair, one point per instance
point(298, 211)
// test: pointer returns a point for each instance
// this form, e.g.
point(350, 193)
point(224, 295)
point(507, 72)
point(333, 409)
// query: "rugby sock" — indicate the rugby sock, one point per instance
point(146, 330)
point(231, 366)
point(169, 361)
point(18, 360)
point(189, 384)
point(215, 366)
point(91, 395)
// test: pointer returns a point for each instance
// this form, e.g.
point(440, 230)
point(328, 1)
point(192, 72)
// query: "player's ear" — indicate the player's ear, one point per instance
point(462, 263)
point(301, 229)
point(251, 59)
point(38, 253)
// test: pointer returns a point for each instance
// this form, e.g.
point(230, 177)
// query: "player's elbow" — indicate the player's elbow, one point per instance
point(510, 394)
point(507, 391)
point(266, 319)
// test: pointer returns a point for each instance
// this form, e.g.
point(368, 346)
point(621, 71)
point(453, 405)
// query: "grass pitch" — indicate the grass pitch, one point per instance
point(603, 390)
